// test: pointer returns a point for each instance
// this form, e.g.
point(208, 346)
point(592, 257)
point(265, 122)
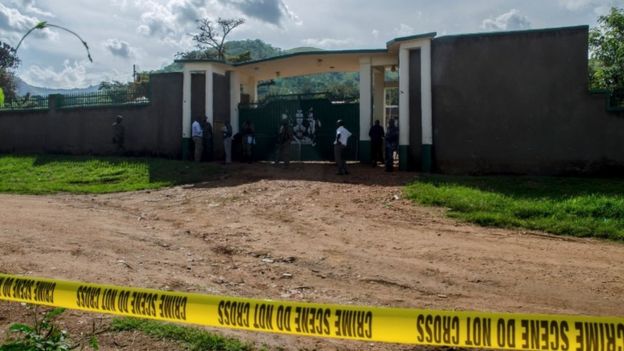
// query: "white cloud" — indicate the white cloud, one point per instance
point(326, 43)
point(30, 6)
point(71, 76)
point(404, 30)
point(14, 24)
point(269, 11)
point(375, 33)
point(119, 48)
point(511, 20)
point(574, 5)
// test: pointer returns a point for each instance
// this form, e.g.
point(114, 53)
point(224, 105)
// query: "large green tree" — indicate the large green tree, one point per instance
point(606, 42)
point(8, 63)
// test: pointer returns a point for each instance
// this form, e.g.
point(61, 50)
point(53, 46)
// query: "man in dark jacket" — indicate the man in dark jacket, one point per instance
point(392, 144)
point(376, 134)
point(285, 136)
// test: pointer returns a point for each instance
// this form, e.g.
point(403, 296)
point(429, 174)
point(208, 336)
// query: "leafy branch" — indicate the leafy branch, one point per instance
point(42, 25)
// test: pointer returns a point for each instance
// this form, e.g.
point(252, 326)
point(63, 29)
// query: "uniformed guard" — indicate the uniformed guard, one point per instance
point(119, 135)
point(284, 138)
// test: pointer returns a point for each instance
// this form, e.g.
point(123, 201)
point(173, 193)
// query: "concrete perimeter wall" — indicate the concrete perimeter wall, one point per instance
point(519, 103)
point(152, 129)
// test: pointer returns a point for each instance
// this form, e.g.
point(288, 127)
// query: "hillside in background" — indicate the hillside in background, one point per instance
point(24, 88)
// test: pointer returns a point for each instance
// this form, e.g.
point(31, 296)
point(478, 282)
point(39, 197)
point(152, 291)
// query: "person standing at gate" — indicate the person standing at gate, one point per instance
point(227, 142)
point(376, 134)
point(198, 139)
point(392, 143)
point(342, 138)
point(249, 139)
point(207, 140)
point(285, 136)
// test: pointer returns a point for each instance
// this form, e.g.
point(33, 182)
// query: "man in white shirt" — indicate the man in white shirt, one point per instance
point(198, 139)
point(342, 138)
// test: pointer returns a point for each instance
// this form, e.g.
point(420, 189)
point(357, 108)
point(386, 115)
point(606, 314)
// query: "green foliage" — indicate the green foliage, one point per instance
point(606, 42)
point(8, 57)
point(43, 335)
point(46, 174)
point(8, 63)
point(192, 338)
point(119, 92)
point(335, 83)
point(1, 98)
point(257, 49)
point(26, 102)
point(570, 206)
point(236, 52)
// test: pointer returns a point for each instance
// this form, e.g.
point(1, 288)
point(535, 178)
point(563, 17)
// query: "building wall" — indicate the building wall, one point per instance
point(519, 103)
point(153, 129)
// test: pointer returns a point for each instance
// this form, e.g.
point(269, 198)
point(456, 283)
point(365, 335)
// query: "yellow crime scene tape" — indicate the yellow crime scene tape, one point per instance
point(511, 331)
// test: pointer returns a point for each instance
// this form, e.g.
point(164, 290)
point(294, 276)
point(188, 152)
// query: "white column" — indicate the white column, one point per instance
point(235, 98)
point(404, 97)
point(209, 95)
point(252, 85)
point(425, 88)
point(365, 98)
point(186, 104)
point(378, 93)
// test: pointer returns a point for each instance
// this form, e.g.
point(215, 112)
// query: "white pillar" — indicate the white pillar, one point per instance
point(253, 89)
point(378, 93)
point(235, 98)
point(425, 98)
point(365, 98)
point(186, 104)
point(404, 96)
point(209, 95)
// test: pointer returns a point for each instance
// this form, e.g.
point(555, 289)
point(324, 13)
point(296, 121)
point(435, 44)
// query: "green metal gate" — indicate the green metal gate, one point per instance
point(267, 117)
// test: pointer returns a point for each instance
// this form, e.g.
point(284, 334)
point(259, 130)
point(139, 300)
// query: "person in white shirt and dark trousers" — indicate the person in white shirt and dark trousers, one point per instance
point(198, 139)
point(342, 137)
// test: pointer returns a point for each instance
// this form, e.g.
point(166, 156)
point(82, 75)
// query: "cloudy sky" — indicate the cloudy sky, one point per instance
point(148, 33)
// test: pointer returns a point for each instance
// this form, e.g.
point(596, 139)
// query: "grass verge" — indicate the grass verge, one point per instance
point(191, 338)
point(583, 207)
point(45, 174)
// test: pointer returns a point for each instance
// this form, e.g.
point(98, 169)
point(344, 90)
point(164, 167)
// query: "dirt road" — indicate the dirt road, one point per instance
point(304, 234)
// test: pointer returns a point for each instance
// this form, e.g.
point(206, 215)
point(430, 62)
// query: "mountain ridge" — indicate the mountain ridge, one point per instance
point(24, 88)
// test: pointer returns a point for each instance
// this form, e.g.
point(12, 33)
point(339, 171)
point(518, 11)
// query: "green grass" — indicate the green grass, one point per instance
point(584, 207)
point(191, 338)
point(45, 174)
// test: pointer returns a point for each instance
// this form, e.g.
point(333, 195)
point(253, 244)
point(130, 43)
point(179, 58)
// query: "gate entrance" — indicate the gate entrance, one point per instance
point(313, 119)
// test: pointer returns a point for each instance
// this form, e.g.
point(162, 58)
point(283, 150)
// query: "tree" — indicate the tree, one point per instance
point(213, 34)
point(606, 42)
point(8, 62)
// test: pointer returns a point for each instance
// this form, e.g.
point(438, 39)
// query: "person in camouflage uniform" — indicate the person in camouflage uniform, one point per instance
point(284, 138)
point(119, 135)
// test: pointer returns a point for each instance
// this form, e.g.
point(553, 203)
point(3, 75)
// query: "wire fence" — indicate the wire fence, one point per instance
point(109, 97)
point(125, 96)
point(26, 103)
